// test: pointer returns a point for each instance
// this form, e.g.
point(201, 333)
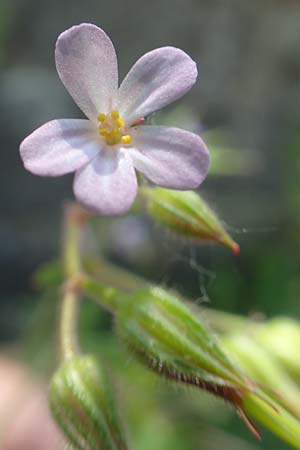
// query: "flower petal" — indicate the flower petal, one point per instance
point(158, 78)
point(107, 185)
point(170, 157)
point(60, 147)
point(87, 65)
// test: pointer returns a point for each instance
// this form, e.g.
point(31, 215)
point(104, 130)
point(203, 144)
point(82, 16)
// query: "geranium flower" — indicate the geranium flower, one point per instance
point(105, 150)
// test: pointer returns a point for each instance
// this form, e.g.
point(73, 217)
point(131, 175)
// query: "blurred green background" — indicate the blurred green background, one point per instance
point(246, 104)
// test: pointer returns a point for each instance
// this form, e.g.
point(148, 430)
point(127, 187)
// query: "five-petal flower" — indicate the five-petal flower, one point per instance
point(105, 150)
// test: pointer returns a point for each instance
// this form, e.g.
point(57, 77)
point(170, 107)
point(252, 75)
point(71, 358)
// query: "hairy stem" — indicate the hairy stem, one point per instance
point(68, 324)
point(123, 280)
point(74, 219)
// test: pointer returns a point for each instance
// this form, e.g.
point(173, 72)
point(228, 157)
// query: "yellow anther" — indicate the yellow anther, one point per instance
point(110, 128)
point(103, 131)
point(101, 117)
point(114, 115)
point(120, 123)
point(112, 139)
point(127, 139)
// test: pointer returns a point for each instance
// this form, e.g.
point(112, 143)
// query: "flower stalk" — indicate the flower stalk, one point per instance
point(68, 324)
point(81, 396)
point(75, 217)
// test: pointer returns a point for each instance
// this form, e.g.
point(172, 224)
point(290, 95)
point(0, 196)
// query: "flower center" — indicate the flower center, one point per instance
point(112, 129)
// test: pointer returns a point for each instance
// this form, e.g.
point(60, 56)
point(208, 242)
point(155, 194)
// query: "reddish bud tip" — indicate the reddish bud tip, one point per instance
point(236, 249)
point(250, 425)
point(139, 122)
point(255, 431)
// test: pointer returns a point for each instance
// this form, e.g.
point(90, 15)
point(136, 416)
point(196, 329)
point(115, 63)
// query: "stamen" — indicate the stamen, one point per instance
point(101, 117)
point(127, 139)
point(112, 130)
point(120, 123)
point(103, 131)
point(114, 114)
point(110, 140)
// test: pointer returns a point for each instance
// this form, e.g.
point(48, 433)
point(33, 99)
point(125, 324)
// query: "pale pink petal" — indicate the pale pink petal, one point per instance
point(170, 157)
point(87, 65)
point(158, 78)
point(60, 147)
point(107, 186)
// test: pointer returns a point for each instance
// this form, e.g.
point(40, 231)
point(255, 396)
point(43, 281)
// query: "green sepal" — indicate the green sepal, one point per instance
point(186, 214)
point(82, 403)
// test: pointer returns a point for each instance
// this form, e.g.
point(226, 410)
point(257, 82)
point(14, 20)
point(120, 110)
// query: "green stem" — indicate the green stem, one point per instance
point(108, 297)
point(125, 281)
point(68, 324)
point(73, 221)
point(74, 218)
point(111, 275)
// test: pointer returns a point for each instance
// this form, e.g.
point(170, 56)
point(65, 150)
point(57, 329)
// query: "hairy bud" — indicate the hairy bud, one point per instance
point(281, 337)
point(260, 365)
point(186, 214)
point(170, 338)
point(166, 336)
point(83, 406)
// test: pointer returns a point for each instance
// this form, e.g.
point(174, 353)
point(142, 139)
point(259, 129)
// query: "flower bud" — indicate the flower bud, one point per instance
point(187, 214)
point(263, 368)
point(83, 406)
point(281, 337)
point(169, 338)
point(166, 336)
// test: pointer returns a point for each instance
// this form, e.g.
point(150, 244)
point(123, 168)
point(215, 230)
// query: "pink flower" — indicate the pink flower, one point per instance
point(105, 150)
